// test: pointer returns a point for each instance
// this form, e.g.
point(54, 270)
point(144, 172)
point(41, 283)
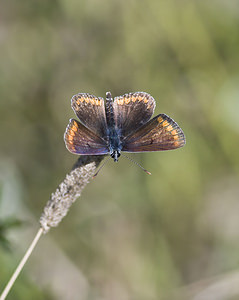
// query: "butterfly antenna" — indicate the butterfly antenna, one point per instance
point(135, 162)
point(101, 167)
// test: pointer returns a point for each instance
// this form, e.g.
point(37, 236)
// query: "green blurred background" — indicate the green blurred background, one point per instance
point(172, 235)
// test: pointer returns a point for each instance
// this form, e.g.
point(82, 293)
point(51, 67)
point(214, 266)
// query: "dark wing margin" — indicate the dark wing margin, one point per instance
point(80, 140)
point(91, 112)
point(132, 110)
point(160, 133)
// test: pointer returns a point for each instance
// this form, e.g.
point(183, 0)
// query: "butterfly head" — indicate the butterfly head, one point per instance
point(115, 155)
point(108, 95)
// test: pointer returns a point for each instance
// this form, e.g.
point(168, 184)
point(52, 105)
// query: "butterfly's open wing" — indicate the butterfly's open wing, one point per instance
point(161, 133)
point(80, 140)
point(132, 110)
point(91, 112)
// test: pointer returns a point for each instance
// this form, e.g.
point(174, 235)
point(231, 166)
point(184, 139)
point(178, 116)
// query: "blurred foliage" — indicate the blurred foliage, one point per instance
point(133, 236)
point(6, 225)
point(24, 288)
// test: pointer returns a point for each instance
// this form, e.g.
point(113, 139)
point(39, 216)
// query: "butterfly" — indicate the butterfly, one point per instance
point(120, 124)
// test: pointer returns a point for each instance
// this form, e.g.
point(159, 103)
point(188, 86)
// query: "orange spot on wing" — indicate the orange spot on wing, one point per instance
point(160, 119)
point(134, 98)
point(74, 123)
point(169, 128)
point(174, 132)
point(72, 133)
point(146, 100)
point(98, 102)
point(74, 128)
point(127, 100)
point(70, 138)
point(165, 123)
point(140, 98)
point(120, 101)
point(69, 141)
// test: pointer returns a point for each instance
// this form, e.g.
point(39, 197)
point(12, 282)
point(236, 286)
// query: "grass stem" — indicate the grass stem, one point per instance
point(21, 265)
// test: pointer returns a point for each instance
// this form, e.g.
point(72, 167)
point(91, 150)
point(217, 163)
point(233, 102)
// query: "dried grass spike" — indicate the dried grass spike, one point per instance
point(68, 191)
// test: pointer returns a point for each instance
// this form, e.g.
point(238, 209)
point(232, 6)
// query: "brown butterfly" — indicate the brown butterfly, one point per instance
point(121, 124)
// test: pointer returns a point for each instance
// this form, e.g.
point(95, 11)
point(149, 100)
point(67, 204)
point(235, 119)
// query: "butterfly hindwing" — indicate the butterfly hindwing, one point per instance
point(81, 140)
point(132, 110)
point(91, 112)
point(160, 133)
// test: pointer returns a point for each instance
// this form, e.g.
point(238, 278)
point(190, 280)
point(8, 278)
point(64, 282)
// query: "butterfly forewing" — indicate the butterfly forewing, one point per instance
point(81, 140)
point(132, 110)
point(91, 112)
point(161, 133)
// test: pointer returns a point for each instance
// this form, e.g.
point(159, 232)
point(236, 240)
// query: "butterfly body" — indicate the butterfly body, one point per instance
point(113, 133)
point(114, 144)
point(122, 124)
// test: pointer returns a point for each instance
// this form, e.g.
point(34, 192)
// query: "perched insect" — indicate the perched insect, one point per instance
point(122, 124)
